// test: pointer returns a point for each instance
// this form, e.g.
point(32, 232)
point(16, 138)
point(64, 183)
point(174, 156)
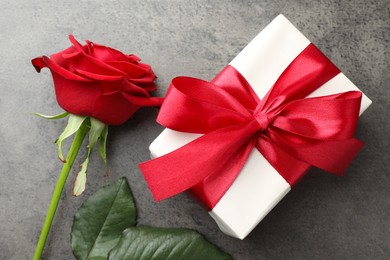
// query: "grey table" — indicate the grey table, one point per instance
point(323, 217)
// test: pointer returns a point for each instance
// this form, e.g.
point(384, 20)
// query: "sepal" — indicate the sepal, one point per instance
point(74, 123)
point(98, 130)
point(62, 115)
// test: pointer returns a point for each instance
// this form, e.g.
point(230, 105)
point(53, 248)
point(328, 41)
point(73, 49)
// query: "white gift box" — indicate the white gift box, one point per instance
point(258, 187)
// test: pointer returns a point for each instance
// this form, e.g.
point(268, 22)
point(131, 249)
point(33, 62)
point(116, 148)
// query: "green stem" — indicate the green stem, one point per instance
point(74, 149)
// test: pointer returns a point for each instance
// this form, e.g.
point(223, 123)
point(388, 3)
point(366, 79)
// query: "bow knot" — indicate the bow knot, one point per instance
point(263, 120)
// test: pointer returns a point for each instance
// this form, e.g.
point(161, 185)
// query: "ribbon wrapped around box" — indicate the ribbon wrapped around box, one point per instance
point(240, 142)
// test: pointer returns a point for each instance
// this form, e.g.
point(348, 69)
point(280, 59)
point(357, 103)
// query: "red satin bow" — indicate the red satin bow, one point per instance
point(292, 132)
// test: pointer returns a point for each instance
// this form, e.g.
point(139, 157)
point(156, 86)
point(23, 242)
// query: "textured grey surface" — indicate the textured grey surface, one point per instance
point(323, 217)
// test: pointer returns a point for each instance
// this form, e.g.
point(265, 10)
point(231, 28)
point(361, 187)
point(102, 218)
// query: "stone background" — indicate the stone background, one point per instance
point(323, 217)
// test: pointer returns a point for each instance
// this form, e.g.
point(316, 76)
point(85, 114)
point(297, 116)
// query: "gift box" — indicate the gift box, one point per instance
point(259, 186)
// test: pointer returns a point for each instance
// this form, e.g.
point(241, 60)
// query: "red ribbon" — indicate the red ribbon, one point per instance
point(292, 132)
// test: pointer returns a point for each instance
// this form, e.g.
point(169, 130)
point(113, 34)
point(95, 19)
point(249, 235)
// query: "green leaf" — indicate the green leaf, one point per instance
point(99, 222)
point(74, 123)
point(164, 243)
point(62, 115)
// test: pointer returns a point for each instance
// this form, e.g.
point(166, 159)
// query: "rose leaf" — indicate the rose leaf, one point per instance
point(164, 243)
point(100, 221)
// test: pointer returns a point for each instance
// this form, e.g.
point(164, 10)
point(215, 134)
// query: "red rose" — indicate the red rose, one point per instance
point(101, 82)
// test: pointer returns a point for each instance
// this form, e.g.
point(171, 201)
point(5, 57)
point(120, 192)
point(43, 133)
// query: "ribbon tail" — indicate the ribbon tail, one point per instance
point(289, 167)
point(210, 190)
point(187, 166)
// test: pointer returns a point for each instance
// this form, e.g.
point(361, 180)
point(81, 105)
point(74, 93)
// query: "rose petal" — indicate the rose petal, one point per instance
point(59, 58)
point(138, 73)
point(90, 63)
point(54, 67)
point(133, 58)
point(38, 63)
point(105, 54)
point(144, 101)
point(148, 86)
point(98, 77)
point(85, 62)
point(76, 96)
point(133, 89)
point(114, 109)
point(132, 70)
point(70, 55)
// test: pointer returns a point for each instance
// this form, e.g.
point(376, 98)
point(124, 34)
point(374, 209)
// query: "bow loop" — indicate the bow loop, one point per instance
point(321, 118)
point(188, 101)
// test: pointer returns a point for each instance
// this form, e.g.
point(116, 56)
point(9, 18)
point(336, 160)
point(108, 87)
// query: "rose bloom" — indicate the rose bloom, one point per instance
point(101, 82)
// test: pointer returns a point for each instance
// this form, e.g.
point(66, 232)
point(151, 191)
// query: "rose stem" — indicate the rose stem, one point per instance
point(74, 149)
